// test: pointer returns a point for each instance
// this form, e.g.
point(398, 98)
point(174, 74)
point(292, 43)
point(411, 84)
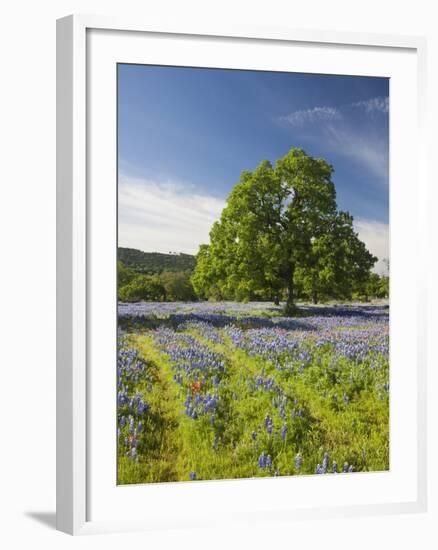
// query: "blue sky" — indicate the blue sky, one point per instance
point(186, 134)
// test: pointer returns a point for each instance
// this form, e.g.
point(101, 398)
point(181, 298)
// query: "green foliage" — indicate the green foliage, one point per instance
point(178, 286)
point(142, 287)
point(374, 286)
point(281, 228)
point(124, 274)
point(150, 263)
point(205, 279)
point(383, 288)
point(170, 286)
point(338, 262)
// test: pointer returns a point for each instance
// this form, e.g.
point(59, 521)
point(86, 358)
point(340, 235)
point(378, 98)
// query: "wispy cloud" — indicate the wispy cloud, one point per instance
point(369, 150)
point(164, 217)
point(376, 237)
point(302, 117)
point(374, 104)
point(339, 133)
point(329, 112)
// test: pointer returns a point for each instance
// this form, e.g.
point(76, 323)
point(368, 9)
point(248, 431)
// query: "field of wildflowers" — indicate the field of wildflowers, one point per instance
point(229, 390)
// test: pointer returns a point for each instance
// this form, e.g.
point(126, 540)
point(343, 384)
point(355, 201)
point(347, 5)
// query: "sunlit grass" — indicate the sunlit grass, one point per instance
point(333, 404)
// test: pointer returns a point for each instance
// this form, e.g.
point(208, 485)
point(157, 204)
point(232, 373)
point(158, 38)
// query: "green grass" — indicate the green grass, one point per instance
point(172, 444)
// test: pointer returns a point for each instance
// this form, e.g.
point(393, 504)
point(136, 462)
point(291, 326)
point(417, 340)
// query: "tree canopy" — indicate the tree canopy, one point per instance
point(281, 231)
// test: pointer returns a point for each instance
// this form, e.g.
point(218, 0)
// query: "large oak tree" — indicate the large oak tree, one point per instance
point(281, 223)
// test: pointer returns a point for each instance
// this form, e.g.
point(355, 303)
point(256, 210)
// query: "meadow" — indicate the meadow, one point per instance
point(223, 390)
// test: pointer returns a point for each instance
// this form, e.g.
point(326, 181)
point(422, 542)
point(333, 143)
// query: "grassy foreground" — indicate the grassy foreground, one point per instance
point(219, 396)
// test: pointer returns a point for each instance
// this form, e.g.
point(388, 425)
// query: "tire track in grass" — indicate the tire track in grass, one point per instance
point(184, 442)
point(248, 409)
point(161, 463)
point(239, 456)
point(200, 426)
point(197, 436)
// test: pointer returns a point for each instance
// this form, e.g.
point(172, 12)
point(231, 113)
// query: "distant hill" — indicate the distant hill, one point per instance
point(155, 262)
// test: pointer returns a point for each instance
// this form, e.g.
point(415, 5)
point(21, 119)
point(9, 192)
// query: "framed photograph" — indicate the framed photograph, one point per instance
point(241, 287)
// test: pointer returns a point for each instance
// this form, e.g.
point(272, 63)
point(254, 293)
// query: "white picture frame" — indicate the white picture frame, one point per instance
point(76, 240)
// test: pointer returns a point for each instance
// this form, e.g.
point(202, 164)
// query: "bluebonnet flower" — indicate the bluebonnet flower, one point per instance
point(212, 419)
point(214, 444)
point(254, 436)
point(298, 461)
point(123, 422)
point(282, 413)
point(268, 424)
point(345, 468)
point(192, 475)
point(268, 461)
point(335, 467)
point(262, 461)
point(283, 432)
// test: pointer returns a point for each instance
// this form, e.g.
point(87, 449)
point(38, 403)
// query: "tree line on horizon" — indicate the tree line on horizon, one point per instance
point(150, 263)
point(280, 238)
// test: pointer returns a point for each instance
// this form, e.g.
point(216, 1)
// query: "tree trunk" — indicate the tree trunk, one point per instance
point(276, 300)
point(315, 297)
point(290, 290)
point(290, 308)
